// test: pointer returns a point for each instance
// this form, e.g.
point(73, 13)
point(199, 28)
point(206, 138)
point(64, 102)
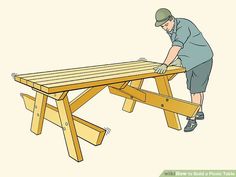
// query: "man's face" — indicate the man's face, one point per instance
point(168, 26)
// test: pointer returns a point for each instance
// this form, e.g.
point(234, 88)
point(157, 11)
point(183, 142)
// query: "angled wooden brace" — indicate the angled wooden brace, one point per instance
point(129, 90)
point(120, 85)
point(164, 102)
point(129, 104)
point(171, 76)
point(84, 97)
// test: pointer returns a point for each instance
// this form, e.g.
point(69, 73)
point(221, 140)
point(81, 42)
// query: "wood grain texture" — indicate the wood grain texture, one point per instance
point(84, 77)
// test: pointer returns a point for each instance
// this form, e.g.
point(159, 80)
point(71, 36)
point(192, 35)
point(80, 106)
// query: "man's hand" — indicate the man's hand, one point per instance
point(177, 62)
point(161, 69)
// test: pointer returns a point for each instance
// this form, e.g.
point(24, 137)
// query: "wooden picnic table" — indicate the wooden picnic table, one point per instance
point(123, 79)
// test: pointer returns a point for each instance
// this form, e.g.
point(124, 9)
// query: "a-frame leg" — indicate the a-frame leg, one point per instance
point(38, 113)
point(163, 87)
point(69, 130)
point(129, 104)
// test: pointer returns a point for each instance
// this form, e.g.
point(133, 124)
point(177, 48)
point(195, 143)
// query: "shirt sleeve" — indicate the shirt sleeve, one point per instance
point(182, 34)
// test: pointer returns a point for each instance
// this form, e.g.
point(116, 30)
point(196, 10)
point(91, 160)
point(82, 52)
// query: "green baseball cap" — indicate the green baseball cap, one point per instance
point(162, 15)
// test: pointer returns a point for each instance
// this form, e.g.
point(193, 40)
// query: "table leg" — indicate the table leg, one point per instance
point(129, 104)
point(38, 113)
point(69, 130)
point(163, 87)
point(87, 131)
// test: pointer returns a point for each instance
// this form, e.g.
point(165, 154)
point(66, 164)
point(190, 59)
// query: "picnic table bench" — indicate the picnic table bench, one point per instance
point(123, 79)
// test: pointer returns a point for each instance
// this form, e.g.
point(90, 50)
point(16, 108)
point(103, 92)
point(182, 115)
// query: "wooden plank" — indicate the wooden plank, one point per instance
point(85, 130)
point(69, 130)
point(61, 71)
point(77, 84)
point(17, 78)
point(90, 72)
point(171, 76)
point(164, 102)
point(38, 113)
point(85, 97)
point(129, 104)
point(86, 76)
point(163, 87)
point(119, 93)
point(133, 92)
point(119, 85)
point(81, 75)
point(56, 96)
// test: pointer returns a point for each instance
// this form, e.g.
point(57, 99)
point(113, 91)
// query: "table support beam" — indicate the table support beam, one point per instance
point(56, 96)
point(171, 76)
point(164, 102)
point(132, 91)
point(129, 104)
point(84, 97)
point(85, 130)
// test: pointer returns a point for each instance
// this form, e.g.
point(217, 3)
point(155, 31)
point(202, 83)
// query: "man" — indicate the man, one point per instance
point(192, 52)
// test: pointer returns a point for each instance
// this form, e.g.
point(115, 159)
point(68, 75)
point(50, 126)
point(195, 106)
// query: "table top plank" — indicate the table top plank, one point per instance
point(85, 77)
point(28, 79)
point(73, 85)
point(83, 68)
point(31, 79)
point(91, 72)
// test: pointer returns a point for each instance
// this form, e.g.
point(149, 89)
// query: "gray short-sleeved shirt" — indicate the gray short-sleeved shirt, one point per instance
point(194, 47)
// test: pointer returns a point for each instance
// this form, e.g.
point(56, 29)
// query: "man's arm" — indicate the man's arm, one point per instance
point(182, 35)
point(172, 54)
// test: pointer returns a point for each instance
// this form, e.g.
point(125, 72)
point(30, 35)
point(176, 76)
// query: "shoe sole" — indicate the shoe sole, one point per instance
point(190, 130)
point(197, 118)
